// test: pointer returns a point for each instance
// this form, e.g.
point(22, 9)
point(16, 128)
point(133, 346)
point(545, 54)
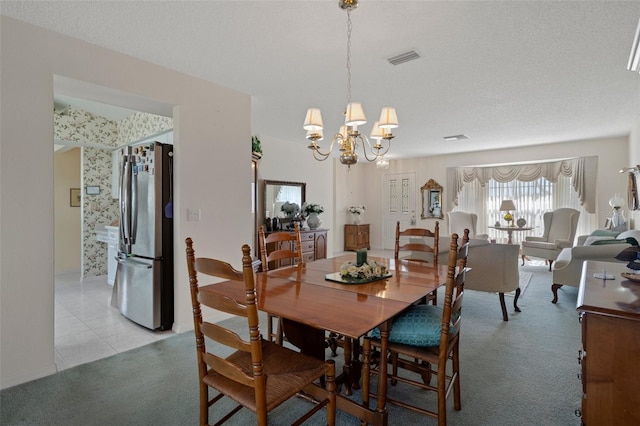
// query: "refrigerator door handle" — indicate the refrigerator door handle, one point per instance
point(128, 202)
point(134, 263)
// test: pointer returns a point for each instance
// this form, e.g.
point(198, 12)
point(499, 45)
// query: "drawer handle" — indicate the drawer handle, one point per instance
point(578, 413)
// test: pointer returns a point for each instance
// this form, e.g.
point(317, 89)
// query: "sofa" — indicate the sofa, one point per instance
point(601, 245)
point(494, 268)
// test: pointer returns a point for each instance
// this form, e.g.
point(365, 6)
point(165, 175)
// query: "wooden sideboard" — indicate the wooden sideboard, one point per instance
point(314, 246)
point(610, 353)
point(356, 237)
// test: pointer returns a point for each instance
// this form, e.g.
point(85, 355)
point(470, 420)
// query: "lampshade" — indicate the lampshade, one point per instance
point(388, 118)
point(507, 205)
point(616, 201)
point(354, 115)
point(376, 132)
point(313, 120)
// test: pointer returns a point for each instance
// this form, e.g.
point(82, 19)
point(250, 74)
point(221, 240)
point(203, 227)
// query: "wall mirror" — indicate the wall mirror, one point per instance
point(276, 193)
point(431, 200)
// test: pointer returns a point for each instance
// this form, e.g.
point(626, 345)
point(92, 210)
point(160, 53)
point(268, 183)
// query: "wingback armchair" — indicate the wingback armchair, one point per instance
point(459, 221)
point(559, 232)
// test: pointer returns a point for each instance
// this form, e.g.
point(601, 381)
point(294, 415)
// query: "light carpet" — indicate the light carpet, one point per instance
point(521, 371)
point(525, 279)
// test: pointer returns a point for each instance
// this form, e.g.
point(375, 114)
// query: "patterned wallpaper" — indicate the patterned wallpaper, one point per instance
point(82, 126)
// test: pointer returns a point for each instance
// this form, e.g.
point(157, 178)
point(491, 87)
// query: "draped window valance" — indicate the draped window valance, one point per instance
point(583, 170)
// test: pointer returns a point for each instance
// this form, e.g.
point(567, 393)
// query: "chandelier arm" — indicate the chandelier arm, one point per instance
point(376, 153)
point(324, 155)
point(321, 156)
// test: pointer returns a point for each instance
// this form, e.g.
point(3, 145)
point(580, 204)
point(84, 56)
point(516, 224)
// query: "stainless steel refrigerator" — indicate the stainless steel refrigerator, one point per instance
point(144, 276)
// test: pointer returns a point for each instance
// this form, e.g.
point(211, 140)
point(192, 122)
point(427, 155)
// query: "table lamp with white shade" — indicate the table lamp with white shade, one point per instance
point(508, 206)
point(617, 203)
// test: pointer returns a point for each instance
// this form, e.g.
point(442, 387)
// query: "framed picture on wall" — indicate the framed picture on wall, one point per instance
point(75, 197)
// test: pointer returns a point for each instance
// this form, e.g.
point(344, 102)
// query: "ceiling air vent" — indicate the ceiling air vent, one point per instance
point(404, 57)
point(455, 138)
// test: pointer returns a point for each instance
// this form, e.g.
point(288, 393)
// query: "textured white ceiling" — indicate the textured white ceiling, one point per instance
point(505, 73)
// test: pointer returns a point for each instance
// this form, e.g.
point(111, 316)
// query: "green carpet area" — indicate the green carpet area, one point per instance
point(518, 372)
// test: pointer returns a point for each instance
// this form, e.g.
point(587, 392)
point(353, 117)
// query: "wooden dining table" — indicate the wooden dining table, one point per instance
point(310, 305)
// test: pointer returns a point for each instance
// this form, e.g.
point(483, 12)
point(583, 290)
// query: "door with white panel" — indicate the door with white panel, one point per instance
point(398, 204)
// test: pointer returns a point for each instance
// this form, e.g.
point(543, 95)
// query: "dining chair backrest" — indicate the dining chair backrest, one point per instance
point(417, 243)
point(454, 289)
point(245, 376)
point(278, 247)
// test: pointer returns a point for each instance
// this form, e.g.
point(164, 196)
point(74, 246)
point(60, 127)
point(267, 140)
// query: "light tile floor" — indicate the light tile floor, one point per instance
point(87, 327)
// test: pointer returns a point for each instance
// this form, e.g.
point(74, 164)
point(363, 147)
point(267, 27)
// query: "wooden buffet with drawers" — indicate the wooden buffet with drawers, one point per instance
point(314, 246)
point(610, 352)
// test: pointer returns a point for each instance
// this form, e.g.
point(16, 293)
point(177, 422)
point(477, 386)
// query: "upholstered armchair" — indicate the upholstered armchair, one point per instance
point(568, 267)
point(494, 269)
point(459, 221)
point(559, 232)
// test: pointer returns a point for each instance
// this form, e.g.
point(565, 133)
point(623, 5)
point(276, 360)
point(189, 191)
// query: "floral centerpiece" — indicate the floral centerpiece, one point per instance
point(350, 271)
point(312, 208)
point(290, 209)
point(356, 210)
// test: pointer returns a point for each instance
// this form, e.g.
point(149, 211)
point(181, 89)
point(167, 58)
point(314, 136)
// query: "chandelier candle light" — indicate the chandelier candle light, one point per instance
point(348, 137)
point(507, 206)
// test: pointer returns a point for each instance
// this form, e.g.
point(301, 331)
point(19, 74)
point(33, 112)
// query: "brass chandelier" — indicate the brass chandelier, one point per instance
point(348, 137)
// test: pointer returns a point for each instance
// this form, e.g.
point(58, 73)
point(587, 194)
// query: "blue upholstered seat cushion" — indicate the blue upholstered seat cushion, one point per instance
point(420, 325)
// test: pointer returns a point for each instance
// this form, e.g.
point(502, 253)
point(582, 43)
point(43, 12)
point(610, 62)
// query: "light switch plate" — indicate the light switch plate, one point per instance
point(193, 215)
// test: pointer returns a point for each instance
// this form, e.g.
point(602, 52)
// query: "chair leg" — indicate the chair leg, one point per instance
point(505, 317)
point(550, 263)
point(331, 391)
point(522, 260)
point(442, 394)
point(515, 300)
point(204, 404)
point(457, 404)
point(554, 289)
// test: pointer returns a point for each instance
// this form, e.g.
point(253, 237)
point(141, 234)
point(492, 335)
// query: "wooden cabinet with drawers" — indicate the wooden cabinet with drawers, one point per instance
point(314, 246)
point(610, 353)
point(356, 237)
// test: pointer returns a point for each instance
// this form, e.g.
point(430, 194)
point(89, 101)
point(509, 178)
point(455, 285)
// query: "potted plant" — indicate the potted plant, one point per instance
point(256, 146)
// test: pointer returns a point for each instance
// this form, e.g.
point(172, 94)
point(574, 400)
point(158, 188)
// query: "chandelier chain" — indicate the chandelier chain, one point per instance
point(349, 27)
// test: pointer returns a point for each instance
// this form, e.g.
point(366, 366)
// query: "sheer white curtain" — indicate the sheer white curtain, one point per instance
point(565, 196)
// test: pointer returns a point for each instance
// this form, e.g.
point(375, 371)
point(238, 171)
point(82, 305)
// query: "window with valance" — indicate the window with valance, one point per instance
point(536, 188)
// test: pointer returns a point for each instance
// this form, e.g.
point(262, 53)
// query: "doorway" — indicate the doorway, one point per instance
point(87, 327)
point(398, 205)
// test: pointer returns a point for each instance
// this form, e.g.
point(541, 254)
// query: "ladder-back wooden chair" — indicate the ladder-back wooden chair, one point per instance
point(432, 340)
point(279, 249)
point(416, 241)
point(259, 375)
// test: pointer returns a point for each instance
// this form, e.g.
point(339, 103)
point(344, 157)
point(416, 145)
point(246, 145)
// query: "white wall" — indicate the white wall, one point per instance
point(290, 161)
point(212, 150)
point(67, 219)
point(612, 155)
